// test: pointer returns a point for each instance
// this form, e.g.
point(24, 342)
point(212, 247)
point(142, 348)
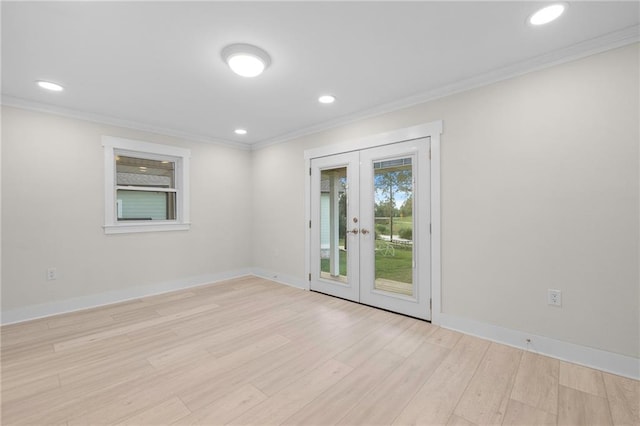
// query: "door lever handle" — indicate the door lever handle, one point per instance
point(353, 231)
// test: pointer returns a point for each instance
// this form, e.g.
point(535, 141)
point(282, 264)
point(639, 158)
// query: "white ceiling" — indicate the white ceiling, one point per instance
point(157, 65)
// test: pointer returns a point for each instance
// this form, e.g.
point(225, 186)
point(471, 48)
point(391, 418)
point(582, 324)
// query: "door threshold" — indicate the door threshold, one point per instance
point(371, 306)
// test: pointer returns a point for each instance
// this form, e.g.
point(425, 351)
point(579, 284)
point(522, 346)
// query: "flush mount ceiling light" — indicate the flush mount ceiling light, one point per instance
point(327, 99)
point(547, 14)
point(240, 131)
point(245, 59)
point(50, 86)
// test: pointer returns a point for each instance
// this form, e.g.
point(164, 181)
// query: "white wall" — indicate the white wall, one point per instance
point(540, 189)
point(53, 212)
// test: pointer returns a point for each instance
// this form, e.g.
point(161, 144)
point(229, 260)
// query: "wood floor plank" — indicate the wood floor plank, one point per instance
point(377, 339)
point(434, 403)
point(118, 404)
point(383, 404)
point(142, 314)
point(194, 384)
point(28, 389)
point(582, 378)
point(537, 382)
point(89, 321)
point(184, 353)
point(61, 404)
point(250, 351)
point(408, 341)
point(164, 413)
point(293, 398)
point(443, 337)
point(253, 328)
point(522, 414)
point(624, 399)
point(581, 408)
point(485, 400)
point(136, 326)
point(22, 328)
point(319, 349)
point(330, 406)
point(205, 393)
point(223, 410)
point(459, 421)
point(43, 364)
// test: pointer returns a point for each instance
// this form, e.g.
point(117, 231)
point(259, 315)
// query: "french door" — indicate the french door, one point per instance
point(370, 236)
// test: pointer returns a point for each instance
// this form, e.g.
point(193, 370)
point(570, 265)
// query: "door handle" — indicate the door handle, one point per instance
point(364, 231)
point(353, 231)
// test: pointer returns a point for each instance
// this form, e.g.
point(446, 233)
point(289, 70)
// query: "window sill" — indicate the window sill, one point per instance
point(125, 228)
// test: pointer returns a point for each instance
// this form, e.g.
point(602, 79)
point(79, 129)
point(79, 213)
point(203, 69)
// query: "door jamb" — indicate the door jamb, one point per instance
point(431, 130)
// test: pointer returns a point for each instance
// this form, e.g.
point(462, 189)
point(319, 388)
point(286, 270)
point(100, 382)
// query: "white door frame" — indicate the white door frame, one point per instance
point(431, 130)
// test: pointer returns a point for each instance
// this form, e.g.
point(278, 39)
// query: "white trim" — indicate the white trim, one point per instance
point(29, 105)
point(128, 228)
point(133, 147)
point(114, 146)
point(32, 312)
point(307, 220)
point(280, 278)
point(146, 188)
point(577, 51)
point(611, 362)
point(399, 135)
point(436, 247)
point(431, 130)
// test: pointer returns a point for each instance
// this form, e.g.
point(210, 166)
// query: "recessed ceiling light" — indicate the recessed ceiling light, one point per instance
point(50, 86)
point(547, 14)
point(327, 99)
point(240, 131)
point(245, 59)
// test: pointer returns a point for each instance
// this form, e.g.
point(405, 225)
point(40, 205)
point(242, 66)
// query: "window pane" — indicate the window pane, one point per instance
point(132, 171)
point(146, 205)
point(333, 222)
point(393, 186)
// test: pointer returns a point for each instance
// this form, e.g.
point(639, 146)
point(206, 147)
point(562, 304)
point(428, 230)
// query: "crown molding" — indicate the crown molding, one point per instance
point(12, 101)
point(574, 52)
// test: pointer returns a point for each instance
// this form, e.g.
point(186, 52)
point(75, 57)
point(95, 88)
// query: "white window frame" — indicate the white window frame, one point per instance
point(114, 146)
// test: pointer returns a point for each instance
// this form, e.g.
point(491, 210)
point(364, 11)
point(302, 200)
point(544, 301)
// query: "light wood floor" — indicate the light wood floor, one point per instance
point(249, 351)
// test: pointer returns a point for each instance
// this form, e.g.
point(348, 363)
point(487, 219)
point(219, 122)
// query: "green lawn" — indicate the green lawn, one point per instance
point(399, 223)
point(403, 221)
point(396, 268)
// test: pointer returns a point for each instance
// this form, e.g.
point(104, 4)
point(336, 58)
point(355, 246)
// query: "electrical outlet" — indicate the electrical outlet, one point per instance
point(554, 297)
point(52, 274)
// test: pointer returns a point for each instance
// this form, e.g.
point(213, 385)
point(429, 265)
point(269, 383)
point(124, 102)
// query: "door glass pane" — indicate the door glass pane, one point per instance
point(393, 195)
point(333, 221)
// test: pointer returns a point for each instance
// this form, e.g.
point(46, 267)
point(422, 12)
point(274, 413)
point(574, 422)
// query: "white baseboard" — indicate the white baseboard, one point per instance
point(281, 278)
point(92, 301)
point(614, 363)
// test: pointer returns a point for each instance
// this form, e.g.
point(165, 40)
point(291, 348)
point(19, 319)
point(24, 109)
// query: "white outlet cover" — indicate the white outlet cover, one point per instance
point(52, 274)
point(554, 297)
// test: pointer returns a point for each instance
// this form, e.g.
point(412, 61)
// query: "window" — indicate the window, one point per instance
point(146, 186)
